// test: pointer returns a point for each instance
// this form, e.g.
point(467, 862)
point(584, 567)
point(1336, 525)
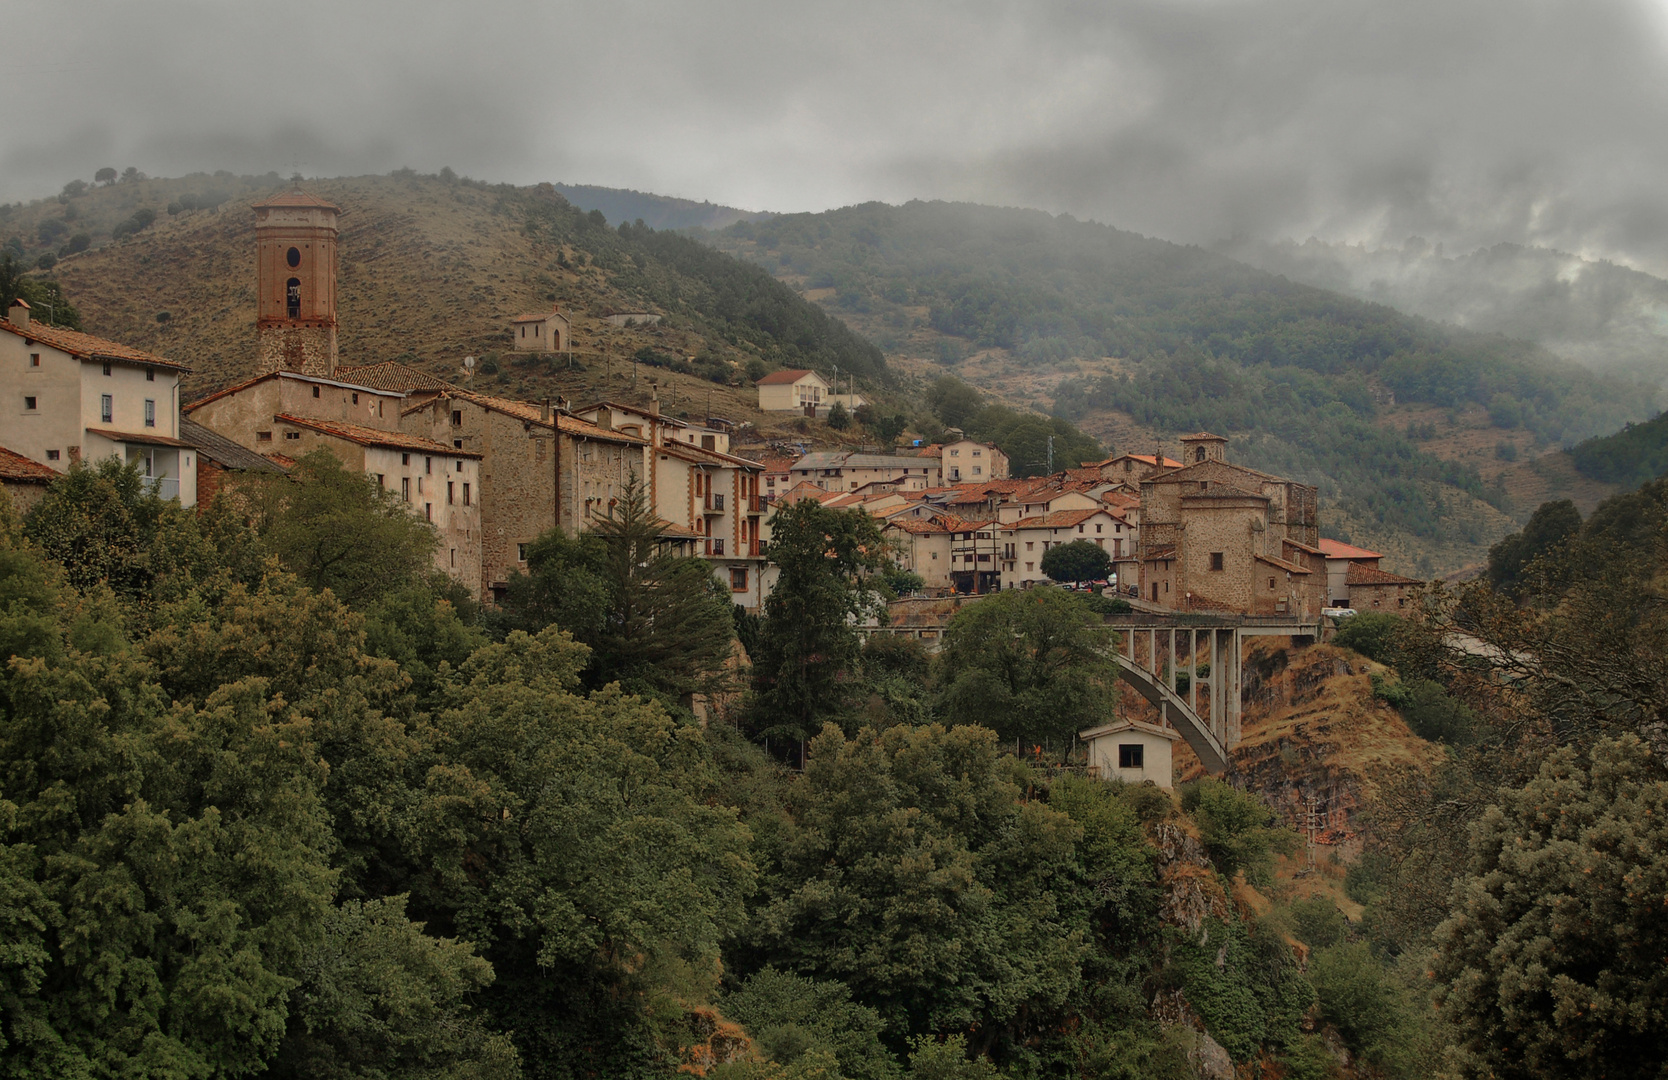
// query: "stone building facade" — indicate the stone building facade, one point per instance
point(295, 271)
point(1215, 536)
point(532, 478)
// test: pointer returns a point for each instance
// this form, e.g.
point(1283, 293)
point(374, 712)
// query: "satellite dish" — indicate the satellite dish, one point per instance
point(469, 363)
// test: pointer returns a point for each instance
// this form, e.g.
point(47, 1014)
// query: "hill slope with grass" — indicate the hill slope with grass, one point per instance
point(1138, 340)
point(432, 270)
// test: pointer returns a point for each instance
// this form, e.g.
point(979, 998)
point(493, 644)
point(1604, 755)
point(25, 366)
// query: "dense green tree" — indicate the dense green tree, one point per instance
point(1030, 664)
point(1373, 634)
point(790, 1016)
point(667, 629)
point(838, 418)
point(1238, 830)
point(807, 646)
point(916, 874)
point(1551, 524)
point(953, 401)
point(1080, 560)
point(1550, 964)
point(341, 530)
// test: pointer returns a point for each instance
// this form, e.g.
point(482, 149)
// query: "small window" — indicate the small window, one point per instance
point(34, 359)
point(292, 436)
point(150, 374)
point(52, 455)
point(466, 493)
point(428, 465)
point(107, 368)
point(457, 417)
point(107, 406)
point(150, 412)
point(521, 552)
point(428, 511)
point(29, 404)
point(738, 580)
point(405, 488)
point(460, 466)
point(405, 459)
point(263, 436)
point(1131, 755)
point(356, 399)
point(293, 257)
point(449, 493)
point(315, 391)
point(1216, 560)
point(1271, 583)
point(457, 444)
point(380, 482)
point(454, 558)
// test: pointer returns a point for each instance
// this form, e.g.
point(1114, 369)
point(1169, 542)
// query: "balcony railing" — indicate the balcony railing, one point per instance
point(164, 487)
point(715, 547)
point(715, 504)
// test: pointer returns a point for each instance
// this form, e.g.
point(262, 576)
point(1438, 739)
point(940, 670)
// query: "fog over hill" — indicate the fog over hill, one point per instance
point(1598, 313)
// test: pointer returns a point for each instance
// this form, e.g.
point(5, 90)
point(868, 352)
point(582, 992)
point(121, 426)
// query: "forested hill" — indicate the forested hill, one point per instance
point(1608, 317)
point(432, 269)
point(620, 205)
point(1138, 339)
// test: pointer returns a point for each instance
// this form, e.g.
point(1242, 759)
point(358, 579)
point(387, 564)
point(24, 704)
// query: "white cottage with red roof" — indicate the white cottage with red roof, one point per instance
point(794, 390)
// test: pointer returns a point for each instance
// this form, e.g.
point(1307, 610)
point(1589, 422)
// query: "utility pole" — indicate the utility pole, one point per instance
point(1051, 455)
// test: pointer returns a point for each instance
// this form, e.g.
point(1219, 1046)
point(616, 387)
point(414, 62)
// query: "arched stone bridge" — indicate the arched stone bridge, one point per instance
point(1154, 649)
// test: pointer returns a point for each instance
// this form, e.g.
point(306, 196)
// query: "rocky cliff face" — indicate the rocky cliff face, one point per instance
point(1315, 742)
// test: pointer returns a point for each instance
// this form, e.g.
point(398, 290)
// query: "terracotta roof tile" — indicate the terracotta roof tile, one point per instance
point(1372, 575)
point(294, 197)
point(777, 378)
point(19, 469)
point(365, 436)
point(540, 316)
point(1337, 549)
point(88, 347)
point(392, 375)
point(1288, 567)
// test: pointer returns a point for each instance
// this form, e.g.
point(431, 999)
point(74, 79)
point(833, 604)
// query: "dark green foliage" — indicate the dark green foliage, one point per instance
point(1550, 525)
point(1430, 711)
point(1101, 604)
point(1239, 830)
point(790, 1016)
point(1364, 1001)
point(1030, 664)
point(1080, 560)
point(1318, 922)
point(1373, 634)
point(45, 299)
point(915, 875)
point(1244, 985)
point(1023, 436)
point(1631, 456)
point(140, 220)
point(341, 530)
point(806, 646)
point(838, 418)
point(1551, 963)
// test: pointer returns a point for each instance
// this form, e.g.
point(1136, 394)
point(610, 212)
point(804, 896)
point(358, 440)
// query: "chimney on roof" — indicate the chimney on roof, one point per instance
point(654, 400)
point(18, 316)
point(544, 412)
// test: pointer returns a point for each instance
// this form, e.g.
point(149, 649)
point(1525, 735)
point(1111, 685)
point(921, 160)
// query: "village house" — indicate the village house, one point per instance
point(696, 486)
point(846, 470)
point(540, 468)
point(540, 331)
point(1355, 580)
point(794, 390)
point(73, 396)
point(969, 462)
point(221, 463)
point(1024, 541)
point(1212, 536)
point(1131, 751)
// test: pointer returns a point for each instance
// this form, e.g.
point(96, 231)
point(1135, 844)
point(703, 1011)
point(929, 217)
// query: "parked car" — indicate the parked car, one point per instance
point(1338, 612)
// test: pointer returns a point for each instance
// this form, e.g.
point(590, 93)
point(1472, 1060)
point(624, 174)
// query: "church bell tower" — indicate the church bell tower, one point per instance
point(295, 258)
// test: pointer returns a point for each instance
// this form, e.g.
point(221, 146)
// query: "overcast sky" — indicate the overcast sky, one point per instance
point(1465, 121)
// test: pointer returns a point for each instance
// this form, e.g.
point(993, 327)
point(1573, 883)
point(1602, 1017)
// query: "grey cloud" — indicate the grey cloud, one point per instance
point(1467, 121)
